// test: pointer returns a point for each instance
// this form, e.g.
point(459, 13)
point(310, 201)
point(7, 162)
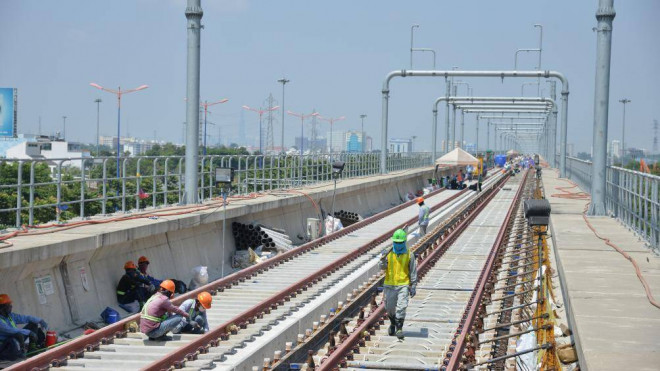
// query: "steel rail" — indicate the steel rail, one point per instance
point(347, 346)
point(200, 345)
point(470, 315)
point(77, 347)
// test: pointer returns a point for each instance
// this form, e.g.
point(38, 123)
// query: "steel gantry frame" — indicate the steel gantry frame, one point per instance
point(453, 73)
point(498, 104)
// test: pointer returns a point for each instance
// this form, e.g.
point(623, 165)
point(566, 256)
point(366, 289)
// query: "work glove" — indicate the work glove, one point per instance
point(413, 291)
point(43, 325)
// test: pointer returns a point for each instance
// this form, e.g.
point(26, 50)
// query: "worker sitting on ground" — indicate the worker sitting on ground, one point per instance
point(16, 341)
point(133, 289)
point(423, 219)
point(196, 309)
point(400, 267)
point(154, 319)
point(143, 264)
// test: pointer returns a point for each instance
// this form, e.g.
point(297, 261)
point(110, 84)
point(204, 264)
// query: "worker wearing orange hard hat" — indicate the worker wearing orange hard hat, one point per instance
point(14, 340)
point(159, 316)
point(196, 309)
point(424, 216)
point(133, 289)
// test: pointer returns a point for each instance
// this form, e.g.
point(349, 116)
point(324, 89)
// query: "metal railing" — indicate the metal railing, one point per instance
point(42, 190)
point(632, 197)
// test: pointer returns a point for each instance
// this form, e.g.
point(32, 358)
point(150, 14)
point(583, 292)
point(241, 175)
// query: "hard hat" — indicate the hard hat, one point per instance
point(205, 299)
point(420, 200)
point(399, 236)
point(5, 299)
point(143, 259)
point(130, 265)
point(168, 285)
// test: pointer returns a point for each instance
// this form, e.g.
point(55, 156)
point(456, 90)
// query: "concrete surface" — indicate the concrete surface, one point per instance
point(95, 254)
point(614, 325)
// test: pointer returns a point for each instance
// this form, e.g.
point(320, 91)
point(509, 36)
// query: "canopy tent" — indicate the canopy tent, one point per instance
point(512, 152)
point(457, 157)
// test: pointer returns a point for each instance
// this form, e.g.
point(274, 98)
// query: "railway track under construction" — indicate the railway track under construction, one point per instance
point(482, 285)
point(267, 306)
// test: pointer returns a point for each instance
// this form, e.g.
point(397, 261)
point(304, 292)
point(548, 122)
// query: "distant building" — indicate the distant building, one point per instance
point(615, 148)
point(400, 145)
point(369, 144)
point(33, 147)
point(134, 146)
point(337, 140)
point(311, 146)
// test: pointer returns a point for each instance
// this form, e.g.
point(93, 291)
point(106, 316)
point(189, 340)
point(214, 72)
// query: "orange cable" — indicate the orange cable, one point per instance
point(583, 195)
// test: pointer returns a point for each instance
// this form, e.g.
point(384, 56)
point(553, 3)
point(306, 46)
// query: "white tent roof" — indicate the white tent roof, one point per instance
point(457, 157)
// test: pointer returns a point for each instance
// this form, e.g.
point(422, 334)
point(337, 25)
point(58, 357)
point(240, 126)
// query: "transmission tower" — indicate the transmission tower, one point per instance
point(314, 133)
point(270, 102)
point(655, 136)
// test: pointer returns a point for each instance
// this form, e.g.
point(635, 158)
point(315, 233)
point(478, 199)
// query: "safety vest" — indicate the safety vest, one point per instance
point(144, 314)
point(9, 322)
point(398, 269)
point(425, 217)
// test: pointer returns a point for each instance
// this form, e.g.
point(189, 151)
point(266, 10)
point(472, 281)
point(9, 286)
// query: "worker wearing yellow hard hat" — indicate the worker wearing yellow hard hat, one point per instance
point(196, 309)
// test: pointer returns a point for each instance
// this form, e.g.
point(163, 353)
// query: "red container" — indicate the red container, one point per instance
point(51, 338)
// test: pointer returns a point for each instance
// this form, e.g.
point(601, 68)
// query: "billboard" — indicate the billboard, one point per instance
point(7, 112)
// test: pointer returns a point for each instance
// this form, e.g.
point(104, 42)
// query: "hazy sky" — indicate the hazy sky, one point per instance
point(336, 54)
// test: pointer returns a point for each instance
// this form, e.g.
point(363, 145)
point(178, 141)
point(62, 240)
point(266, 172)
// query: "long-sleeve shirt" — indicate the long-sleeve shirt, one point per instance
point(7, 329)
point(424, 212)
point(412, 265)
point(158, 305)
point(188, 306)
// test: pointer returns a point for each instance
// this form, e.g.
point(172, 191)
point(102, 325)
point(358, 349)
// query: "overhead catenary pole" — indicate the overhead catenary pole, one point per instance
point(605, 16)
point(362, 117)
point(64, 128)
point(412, 29)
point(194, 15)
point(283, 81)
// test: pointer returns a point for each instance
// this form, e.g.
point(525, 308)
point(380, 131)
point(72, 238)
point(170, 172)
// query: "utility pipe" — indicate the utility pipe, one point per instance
point(425, 50)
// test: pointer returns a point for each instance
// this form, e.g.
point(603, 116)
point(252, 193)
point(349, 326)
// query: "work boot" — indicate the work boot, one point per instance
point(161, 338)
point(392, 329)
point(399, 328)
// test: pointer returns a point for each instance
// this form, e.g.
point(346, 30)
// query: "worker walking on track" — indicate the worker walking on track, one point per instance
point(196, 309)
point(154, 319)
point(400, 267)
point(423, 219)
point(16, 341)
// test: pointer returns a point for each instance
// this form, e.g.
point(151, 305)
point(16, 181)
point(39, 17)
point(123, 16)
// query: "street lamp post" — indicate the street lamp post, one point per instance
point(302, 118)
point(623, 130)
point(206, 106)
point(119, 93)
point(362, 117)
point(331, 121)
point(283, 81)
point(261, 112)
point(98, 110)
point(64, 129)
point(412, 29)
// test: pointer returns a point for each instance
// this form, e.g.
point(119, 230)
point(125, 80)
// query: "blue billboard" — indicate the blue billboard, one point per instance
point(7, 112)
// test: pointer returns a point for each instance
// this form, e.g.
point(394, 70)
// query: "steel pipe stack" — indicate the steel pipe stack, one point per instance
point(347, 218)
point(251, 235)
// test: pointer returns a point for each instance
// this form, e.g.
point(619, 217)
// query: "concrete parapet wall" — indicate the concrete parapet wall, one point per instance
point(77, 269)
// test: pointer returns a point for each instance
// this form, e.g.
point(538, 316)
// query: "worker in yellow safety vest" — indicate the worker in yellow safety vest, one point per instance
point(154, 319)
point(400, 267)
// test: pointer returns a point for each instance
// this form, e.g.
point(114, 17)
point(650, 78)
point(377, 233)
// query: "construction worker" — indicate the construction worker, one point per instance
point(196, 309)
point(400, 268)
point(15, 341)
point(480, 181)
point(423, 219)
point(133, 289)
point(154, 319)
point(143, 264)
